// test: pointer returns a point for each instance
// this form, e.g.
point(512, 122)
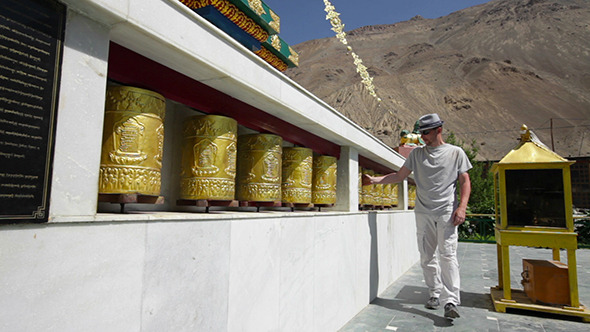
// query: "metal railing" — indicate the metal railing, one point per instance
point(478, 228)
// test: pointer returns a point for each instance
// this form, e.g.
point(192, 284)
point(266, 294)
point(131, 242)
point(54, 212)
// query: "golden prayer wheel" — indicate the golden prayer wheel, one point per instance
point(367, 191)
point(411, 196)
point(394, 196)
point(378, 193)
point(209, 153)
point(259, 168)
point(388, 194)
point(133, 141)
point(324, 180)
point(297, 175)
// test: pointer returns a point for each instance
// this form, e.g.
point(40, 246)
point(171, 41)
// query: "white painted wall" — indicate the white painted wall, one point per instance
point(269, 271)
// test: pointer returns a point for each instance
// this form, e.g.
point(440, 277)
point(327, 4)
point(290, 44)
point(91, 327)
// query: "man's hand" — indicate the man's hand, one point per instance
point(367, 180)
point(458, 216)
point(394, 177)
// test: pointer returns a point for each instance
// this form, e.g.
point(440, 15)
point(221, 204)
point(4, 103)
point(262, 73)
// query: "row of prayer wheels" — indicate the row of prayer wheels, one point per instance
point(384, 195)
point(216, 164)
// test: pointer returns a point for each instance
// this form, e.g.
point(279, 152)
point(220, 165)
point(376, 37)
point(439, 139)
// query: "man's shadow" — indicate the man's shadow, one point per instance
point(414, 295)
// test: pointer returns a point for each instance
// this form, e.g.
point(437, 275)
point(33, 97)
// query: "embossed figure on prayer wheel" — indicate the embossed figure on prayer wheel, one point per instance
point(297, 175)
point(209, 152)
point(133, 141)
point(324, 180)
point(259, 168)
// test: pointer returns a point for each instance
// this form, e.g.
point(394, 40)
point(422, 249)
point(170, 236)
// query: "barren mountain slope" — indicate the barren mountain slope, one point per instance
point(486, 70)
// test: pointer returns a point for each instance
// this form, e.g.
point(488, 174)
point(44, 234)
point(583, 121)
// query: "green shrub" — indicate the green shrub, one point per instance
point(481, 200)
point(582, 227)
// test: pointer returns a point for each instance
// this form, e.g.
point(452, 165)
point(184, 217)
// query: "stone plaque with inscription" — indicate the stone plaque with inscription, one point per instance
point(31, 35)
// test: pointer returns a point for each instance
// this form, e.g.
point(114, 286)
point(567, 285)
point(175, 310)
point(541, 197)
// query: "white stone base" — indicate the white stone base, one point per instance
point(271, 271)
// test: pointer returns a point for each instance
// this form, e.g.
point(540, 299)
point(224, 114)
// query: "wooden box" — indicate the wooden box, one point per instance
point(546, 282)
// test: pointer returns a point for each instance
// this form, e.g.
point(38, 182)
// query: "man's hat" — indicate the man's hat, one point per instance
point(429, 121)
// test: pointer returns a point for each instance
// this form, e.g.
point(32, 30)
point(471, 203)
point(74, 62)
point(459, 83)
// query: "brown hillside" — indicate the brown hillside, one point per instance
point(486, 70)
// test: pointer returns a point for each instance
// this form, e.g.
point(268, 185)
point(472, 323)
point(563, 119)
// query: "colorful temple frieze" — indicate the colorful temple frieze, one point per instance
point(253, 24)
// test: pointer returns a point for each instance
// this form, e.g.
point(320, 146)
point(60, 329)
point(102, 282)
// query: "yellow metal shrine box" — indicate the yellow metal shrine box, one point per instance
point(534, 208)
point(533, 189)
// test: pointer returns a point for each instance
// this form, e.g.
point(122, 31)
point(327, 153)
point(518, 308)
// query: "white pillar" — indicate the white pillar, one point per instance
point(347, 180)
point(403, 197)
point(80, 117)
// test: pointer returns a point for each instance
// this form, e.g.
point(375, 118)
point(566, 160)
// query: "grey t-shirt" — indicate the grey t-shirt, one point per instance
point(436, 170)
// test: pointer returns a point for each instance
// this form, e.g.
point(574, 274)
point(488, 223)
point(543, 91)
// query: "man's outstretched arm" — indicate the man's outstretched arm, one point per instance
point(395, 177)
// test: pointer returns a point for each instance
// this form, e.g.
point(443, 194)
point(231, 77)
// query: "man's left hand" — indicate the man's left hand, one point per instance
point(458, 216)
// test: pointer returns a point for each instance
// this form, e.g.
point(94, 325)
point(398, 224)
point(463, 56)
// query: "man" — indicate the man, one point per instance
point(437, 166)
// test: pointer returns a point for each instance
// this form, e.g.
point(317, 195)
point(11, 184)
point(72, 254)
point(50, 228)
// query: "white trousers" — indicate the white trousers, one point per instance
point(440, 267)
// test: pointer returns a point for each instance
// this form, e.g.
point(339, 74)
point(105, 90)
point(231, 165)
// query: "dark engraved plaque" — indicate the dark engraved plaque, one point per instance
point(31, 35)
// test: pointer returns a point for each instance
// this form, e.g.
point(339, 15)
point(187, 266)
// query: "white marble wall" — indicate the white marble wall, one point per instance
point(185, 278)
point(81, 277)
point(276, 272)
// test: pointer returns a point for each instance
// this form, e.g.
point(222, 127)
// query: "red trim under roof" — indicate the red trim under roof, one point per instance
point(128, 67)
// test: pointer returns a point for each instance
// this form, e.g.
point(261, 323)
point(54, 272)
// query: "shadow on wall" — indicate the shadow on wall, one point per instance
point(374, 259)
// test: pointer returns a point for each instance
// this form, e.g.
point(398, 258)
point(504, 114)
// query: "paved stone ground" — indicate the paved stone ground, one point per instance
point(401, 307)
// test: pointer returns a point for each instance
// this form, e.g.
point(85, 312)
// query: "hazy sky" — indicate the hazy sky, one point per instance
point(303, 20)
